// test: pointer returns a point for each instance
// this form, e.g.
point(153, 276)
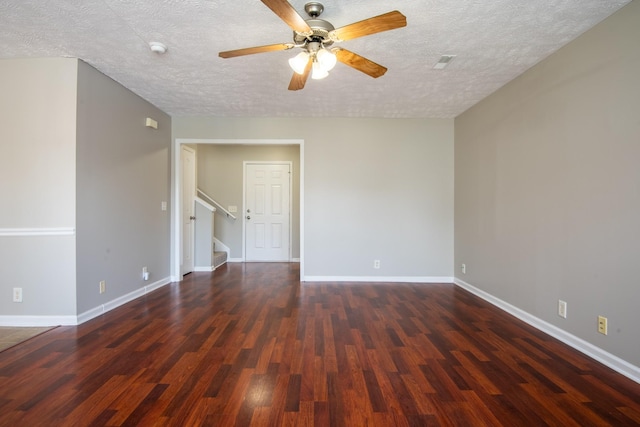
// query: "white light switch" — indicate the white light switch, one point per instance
point(233, 209)
point(163, 206)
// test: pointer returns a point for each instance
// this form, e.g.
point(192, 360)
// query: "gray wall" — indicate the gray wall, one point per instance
point(373, 189)
point(37, 185)
point(122, 179)
point(220, 175)
point(75, 156)
point(548, 187)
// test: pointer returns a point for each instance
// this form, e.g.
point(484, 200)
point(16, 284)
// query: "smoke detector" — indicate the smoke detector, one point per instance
point(158, 47)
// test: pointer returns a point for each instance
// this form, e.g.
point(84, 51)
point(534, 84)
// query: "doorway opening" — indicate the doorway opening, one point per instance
point(177, 189)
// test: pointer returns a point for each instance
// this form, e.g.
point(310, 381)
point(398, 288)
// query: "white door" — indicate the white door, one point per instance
point(267, 211)
point(188, 163)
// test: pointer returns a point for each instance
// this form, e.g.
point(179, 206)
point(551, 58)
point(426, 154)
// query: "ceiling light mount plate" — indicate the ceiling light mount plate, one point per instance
point(314, 9)
point(158, 48)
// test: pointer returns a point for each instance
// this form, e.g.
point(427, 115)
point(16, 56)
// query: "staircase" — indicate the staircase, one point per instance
point(206, 256)
point(219, 258)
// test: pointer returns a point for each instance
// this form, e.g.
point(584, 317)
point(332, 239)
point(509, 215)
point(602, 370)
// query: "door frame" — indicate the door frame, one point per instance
point(244, 202)
point(182, 223)
point(176, 182)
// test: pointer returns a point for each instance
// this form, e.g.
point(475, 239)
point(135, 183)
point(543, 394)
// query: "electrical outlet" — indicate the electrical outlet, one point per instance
point(376, 263)
point(562, 308)
point(602, 325)
point(463, 268)
point(17, 294)
point(103, 286)
point(145, 273)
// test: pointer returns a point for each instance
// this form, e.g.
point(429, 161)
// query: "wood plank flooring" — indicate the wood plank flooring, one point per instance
point(248, 345)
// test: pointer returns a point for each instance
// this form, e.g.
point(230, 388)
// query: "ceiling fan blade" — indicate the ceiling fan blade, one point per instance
point(385, 22)
point(256, 49)
point(298, 80)
point(288, 14)
point(360, 63)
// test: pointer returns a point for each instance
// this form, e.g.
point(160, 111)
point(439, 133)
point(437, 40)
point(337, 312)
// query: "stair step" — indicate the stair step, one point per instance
point(219, 258)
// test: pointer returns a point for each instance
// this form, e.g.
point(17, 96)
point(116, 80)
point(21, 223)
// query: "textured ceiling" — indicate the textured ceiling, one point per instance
point(494, 41)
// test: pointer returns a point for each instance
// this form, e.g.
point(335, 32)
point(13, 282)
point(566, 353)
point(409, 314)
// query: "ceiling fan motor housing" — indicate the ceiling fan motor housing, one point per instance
point(320, 32)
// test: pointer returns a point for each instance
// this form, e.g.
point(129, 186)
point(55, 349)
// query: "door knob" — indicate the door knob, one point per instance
point(248, 217)
point(192, 217)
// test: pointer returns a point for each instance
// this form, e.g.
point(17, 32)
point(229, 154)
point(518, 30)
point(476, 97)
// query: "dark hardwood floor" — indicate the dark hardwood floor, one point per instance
point(249, 345)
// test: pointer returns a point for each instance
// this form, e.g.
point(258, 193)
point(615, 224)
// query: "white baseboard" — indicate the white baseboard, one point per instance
point(208, 268)
point(242, 260)
point(117, 302)
point(83, 317)
point(38, 320)
point(377, 279)
point(614, 362)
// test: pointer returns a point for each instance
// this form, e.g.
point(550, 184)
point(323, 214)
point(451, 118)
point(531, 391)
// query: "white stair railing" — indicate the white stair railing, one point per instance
point(216, 204)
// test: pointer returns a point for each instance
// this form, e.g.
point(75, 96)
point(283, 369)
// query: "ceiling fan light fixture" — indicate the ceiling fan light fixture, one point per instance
point(299, 62)
point(326, 59)
point(317, 72)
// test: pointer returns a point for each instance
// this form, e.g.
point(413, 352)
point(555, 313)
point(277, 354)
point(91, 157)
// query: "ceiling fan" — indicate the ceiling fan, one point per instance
point(315, 36)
